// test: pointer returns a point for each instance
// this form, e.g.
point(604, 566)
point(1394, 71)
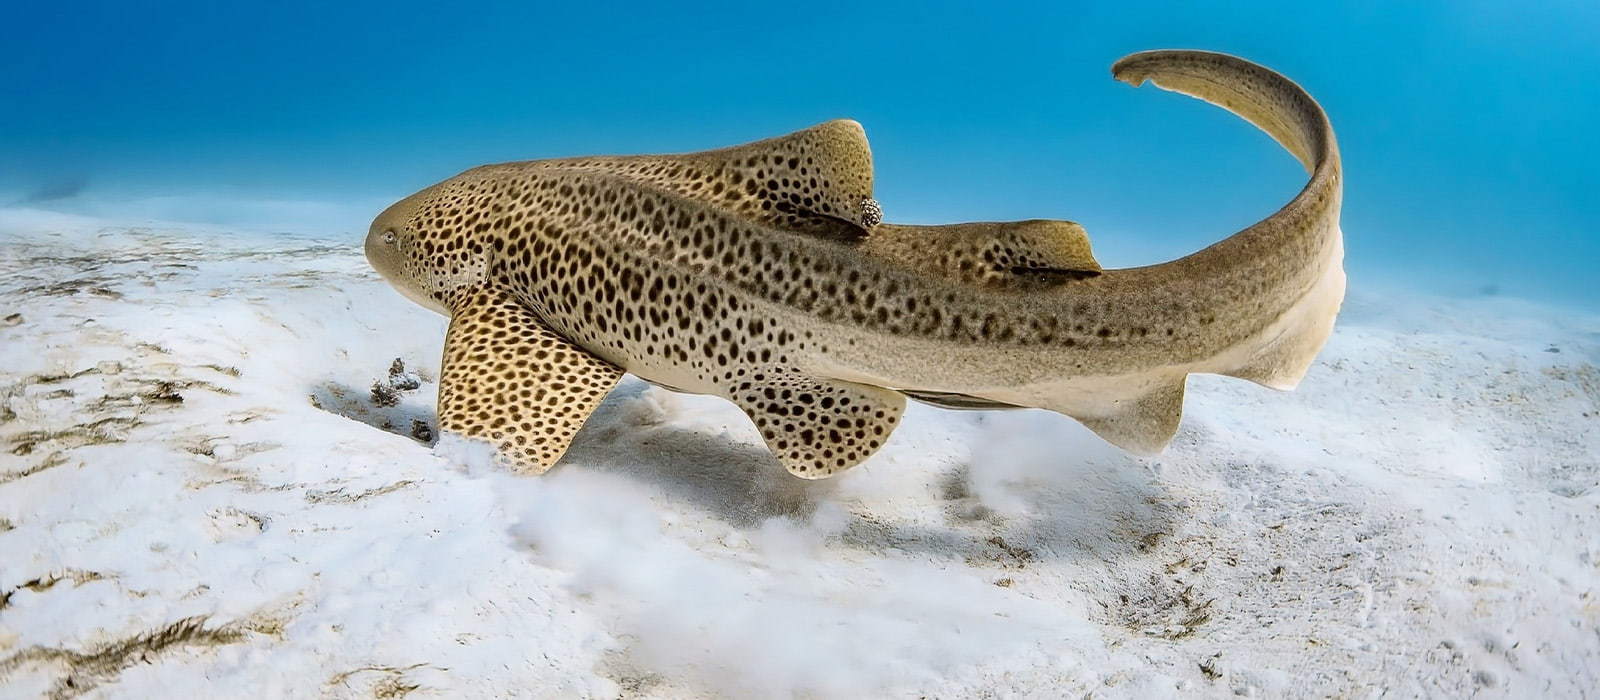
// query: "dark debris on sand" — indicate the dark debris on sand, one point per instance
point(386, 393)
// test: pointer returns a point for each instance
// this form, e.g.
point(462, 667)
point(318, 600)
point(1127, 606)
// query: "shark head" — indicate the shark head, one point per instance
point(423, 259)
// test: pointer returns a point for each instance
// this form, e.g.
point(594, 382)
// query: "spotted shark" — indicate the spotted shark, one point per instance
point(763, 274)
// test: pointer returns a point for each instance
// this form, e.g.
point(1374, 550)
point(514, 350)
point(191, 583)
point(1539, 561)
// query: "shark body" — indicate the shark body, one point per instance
point(761, 274)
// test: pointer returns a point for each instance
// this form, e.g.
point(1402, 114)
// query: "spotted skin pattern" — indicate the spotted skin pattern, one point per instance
point(759, 273)
point(508, 378)
point(1032, 254)
point(816, 181)
point(664, 322)
point(817, 427)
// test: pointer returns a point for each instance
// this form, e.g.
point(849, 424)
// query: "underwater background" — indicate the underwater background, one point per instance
point(222, 473)
point(1467, 128)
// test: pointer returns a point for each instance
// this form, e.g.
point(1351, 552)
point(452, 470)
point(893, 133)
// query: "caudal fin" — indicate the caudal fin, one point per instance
point(1303, 236)
point(1260, 95)
point(1268, 294)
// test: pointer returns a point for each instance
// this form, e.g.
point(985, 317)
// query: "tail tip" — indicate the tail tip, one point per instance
point(1124, 70)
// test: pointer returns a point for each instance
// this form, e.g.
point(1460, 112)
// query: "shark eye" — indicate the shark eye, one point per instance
point(388, 237)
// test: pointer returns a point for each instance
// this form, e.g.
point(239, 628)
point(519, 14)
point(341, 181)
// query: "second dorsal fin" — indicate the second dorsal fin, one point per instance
point(1031, 253)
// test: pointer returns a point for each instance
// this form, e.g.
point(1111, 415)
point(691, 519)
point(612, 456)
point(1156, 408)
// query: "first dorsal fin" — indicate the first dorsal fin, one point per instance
point(824, 171)
point(816, 181)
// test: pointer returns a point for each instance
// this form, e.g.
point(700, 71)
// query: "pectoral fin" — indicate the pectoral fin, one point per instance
point(510, 380)
point(819, 427)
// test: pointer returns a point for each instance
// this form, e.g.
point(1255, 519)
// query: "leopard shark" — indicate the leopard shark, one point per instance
point(764, 274)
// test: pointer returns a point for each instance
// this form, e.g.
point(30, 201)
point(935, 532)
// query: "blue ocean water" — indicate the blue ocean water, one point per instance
point(1467, 127)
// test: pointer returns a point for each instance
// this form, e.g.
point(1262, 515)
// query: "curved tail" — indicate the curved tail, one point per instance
point(1266, 99)
point(1267, 295)
point(1258, 305)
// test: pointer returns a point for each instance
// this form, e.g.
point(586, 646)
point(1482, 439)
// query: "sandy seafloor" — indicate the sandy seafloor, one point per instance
point(199, 498)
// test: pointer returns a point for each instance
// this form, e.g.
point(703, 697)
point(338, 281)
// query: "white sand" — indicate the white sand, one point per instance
point(1421, 518)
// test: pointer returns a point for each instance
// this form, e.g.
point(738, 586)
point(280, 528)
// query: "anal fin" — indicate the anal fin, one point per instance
point(509, 379)
point(819, 427)
point(1142, 424)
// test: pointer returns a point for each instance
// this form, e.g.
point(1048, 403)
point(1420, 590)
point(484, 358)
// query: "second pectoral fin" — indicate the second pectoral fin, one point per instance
point(509, 379)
